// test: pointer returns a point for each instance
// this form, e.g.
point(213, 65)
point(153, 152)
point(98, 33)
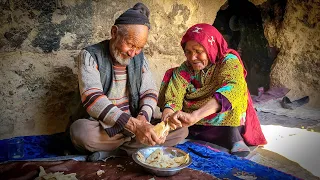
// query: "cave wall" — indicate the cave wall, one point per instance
point(293, 28)
point(39, 40)
point(243, 30)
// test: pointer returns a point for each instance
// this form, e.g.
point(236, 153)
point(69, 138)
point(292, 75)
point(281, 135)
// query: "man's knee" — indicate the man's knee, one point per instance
point(176, 136)
point(81, 135)
point(89, 136)
point(78, 129)
point(184, 132)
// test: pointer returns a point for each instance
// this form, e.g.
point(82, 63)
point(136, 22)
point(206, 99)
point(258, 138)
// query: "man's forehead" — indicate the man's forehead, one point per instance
point(137, 34)
point(137, 29)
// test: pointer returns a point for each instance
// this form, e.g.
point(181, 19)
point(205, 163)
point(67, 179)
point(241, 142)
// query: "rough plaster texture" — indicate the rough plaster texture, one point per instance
point(39, 40)
point(257, 2)
point(242, 28)
point(293, 27)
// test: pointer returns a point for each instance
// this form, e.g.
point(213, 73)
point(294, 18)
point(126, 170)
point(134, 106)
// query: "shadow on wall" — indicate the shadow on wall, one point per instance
point(61, 90)
point(242, 28)
point(48, 20)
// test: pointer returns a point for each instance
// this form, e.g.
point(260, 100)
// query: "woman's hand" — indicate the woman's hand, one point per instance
point(182, 119)
point(167, 112)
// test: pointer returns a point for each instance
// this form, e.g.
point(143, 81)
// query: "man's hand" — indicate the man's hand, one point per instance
point(142, 118)
point(144, 131)
point(182, 119)
point(163, 138)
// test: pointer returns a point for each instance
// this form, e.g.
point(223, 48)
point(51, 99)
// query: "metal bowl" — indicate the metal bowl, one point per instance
point(172, 151)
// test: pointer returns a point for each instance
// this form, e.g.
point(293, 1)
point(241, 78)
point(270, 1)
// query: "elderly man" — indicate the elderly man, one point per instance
point(118, 93)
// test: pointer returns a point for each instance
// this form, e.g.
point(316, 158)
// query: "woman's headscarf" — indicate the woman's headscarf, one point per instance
point(212, 40)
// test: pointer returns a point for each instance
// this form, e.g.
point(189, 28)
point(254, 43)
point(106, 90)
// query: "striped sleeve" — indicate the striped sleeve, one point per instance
point(94, 101)
point(148, 92)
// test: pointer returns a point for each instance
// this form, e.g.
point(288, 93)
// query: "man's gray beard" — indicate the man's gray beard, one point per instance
point(121, 61)
point(117, 57)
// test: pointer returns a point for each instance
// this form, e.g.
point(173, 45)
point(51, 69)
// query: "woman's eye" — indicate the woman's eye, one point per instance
point(187, 52)
point(199, 51)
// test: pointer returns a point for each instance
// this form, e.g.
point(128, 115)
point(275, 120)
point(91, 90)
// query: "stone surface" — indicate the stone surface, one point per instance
point(257, 2)
point(35, 90)
point(293, 145)
point(293, 27)
point(40, 39)
point(243, 30)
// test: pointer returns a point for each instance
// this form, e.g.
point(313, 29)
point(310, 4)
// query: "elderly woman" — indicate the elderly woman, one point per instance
point(208, 93)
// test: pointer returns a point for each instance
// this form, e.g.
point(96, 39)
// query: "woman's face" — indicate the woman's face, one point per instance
point(196, 55)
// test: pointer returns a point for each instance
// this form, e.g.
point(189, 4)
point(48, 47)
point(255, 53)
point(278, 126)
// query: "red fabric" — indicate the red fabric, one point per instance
point(217, 48)
point(252, 134)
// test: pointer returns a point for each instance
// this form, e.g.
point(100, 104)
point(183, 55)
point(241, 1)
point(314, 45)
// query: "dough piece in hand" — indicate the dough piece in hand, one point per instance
point(161, 129)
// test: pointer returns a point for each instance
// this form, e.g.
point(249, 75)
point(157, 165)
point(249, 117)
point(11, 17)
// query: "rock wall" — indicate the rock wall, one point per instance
point(293, 27)
point(40, 38)
point(243, 30)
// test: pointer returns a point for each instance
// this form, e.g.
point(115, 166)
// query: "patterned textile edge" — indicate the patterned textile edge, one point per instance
point(224, 165)
point(36, 147)
point(205, 158)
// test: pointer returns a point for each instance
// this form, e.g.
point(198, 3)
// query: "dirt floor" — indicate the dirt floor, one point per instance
point(293, 145)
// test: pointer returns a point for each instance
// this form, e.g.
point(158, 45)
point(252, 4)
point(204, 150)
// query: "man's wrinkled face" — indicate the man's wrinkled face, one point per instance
point(120, 57)
point(129, 44)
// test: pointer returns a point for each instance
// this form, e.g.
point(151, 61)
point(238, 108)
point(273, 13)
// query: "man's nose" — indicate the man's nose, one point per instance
point(133, 52)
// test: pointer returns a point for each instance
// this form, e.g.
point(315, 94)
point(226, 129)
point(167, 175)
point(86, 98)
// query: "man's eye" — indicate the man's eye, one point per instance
point(199, 51)
point(129, 44)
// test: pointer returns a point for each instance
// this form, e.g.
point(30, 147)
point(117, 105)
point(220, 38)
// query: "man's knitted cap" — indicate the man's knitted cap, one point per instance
point(139, 14)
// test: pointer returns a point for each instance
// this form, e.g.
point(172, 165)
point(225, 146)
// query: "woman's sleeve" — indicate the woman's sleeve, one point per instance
point(234, 86)
point(223, 101)
point(175, 90)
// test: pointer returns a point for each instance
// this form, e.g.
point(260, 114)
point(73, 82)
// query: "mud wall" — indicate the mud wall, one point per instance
point(293, 28)
point(40, 38)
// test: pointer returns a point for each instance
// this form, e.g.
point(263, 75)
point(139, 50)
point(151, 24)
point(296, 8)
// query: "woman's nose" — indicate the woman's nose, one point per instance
point(194, 56)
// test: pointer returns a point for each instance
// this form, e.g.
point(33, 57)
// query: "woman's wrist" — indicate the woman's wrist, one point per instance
point(211, 107)
point(195, 115)
point(166, 113)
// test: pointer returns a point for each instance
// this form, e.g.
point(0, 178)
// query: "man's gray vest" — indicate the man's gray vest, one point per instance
point(101, 54)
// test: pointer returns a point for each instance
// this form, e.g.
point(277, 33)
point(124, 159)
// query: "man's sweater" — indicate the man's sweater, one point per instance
point(112, 109)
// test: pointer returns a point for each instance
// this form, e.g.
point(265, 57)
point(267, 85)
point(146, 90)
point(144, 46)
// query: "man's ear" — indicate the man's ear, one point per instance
point(114, 31)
